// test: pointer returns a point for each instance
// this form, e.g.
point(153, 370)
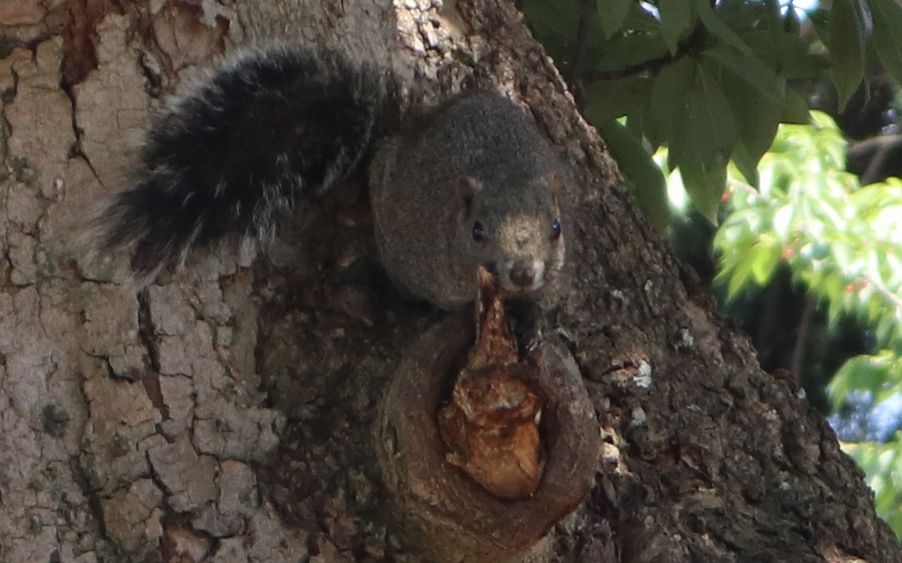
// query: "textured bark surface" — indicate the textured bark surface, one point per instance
point(227, 413)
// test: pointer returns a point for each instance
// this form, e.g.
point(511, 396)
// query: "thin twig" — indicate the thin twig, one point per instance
point(798, 351)
point(586, 13)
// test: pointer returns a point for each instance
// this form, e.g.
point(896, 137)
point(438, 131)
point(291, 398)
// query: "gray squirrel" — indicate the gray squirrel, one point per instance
point(469, 182)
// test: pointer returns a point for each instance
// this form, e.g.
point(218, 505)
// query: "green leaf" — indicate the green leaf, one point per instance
point(775, 25)
point(631, 50)
point(751, 69)
point(887, 37)
point(783, 222)
point(636, 123)
point(718, 28)
point(612, 14)
point(668, 96)
point(745, 162)
point(738, 278)
point(705, 184)
point(794, 109)
point(847, 47)
point(552, 20)
point(703, 134)
point(861, 373)
point(703, 137)
point(713, 112)
point(787, 53)
point(609, 99)
point(637, 165)
point(676, 19)
point(820, 21)
point(791, 23)
point(798, 65)
point(764, 258)
point(757, 119)
point(640, 20)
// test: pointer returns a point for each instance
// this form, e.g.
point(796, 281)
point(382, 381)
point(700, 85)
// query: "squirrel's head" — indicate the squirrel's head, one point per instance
point(517, 234)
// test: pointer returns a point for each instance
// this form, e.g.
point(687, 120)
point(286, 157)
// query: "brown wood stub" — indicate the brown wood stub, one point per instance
point(454, 514)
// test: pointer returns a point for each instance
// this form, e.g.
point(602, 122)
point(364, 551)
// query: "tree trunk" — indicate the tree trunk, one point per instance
point(231, 412)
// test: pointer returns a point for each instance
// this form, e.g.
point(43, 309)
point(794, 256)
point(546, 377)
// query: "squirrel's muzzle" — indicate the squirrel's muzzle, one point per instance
point(522, 276)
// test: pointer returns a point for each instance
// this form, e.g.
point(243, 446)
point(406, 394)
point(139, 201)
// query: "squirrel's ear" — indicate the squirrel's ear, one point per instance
point(467, 188)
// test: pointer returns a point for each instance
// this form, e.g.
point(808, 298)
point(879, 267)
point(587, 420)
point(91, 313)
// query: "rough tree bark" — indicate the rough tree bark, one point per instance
point(227, 413)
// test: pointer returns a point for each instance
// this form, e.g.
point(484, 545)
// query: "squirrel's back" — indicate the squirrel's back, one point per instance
point(470, 182)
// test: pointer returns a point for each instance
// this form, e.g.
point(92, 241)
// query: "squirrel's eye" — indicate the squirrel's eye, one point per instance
point(478, 232)
point(555, 229)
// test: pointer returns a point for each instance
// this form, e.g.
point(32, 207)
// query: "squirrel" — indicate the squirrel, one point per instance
point(469, 182)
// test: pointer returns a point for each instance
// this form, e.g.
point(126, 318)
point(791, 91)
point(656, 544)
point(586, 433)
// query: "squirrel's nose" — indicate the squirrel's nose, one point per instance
point(523, 274)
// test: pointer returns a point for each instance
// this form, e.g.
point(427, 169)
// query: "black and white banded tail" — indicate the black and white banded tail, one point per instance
point(227, 159)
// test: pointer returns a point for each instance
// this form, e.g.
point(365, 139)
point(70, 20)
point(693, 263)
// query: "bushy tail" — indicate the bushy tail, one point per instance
point(227, 159)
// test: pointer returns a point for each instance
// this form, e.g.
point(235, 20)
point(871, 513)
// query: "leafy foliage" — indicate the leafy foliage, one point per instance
point(708, 80)
point(882, 463)
point(844, 242)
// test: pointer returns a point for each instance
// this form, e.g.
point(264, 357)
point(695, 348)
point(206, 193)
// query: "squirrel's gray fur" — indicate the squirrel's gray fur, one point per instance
point(471, 181)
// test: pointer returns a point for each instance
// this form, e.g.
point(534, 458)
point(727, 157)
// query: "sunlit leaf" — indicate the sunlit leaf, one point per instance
point(861, 373)
point(783, 222)
point(764, 259)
